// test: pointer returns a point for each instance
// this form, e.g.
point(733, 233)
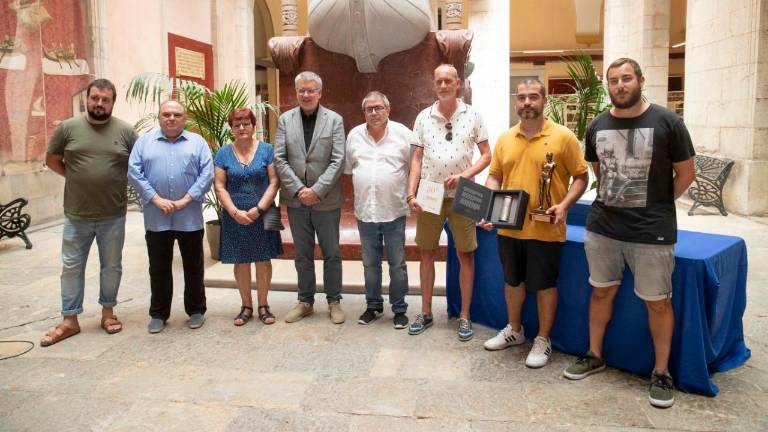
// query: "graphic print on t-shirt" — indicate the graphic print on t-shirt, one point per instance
point(625, 160)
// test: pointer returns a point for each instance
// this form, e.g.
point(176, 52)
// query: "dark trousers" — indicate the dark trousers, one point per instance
point(306, 222)
point(160, 250)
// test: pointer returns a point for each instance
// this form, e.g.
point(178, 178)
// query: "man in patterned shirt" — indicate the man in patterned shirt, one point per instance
point(447, 133)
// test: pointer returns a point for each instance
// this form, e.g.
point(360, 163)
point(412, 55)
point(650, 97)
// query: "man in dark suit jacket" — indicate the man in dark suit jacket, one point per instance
point(309, 157)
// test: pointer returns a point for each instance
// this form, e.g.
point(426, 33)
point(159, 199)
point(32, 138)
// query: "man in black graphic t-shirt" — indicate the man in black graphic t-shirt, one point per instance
point(643, 157)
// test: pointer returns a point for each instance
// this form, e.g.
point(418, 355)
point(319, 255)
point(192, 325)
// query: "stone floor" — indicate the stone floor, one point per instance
point(314, 375)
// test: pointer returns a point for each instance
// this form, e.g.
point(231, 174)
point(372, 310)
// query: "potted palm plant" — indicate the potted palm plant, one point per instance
point(589, 98)
point(207, 112)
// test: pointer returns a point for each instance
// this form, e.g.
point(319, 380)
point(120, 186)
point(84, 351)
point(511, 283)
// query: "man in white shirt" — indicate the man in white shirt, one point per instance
point(378, 154)
point(447, 133)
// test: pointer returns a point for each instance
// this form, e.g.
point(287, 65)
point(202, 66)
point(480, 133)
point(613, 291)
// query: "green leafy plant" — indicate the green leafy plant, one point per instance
point(207, 110)
point(589, 96)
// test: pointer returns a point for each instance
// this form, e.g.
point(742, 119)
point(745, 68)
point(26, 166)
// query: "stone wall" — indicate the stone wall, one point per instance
point(640, 30)
point(45, 63)
point(726, 106)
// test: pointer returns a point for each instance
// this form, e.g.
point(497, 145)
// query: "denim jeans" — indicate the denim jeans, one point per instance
point(393, 236)
point(75, 246)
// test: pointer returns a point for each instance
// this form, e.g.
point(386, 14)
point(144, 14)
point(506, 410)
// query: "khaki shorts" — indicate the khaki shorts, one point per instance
point(652, 265)
point(429, 226)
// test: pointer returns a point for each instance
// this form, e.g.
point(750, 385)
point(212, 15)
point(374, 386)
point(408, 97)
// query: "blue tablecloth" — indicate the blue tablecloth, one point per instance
point(709, 298)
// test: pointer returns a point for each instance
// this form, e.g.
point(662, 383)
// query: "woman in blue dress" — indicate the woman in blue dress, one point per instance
point(246, 183)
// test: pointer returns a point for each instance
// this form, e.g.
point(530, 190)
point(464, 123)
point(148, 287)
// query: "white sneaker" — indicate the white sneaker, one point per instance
point(540, 353)
point(506, 338)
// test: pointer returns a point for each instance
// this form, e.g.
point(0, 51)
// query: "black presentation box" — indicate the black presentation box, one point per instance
point(478, 202)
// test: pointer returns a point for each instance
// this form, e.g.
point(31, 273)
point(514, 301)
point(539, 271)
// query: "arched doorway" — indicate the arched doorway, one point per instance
point(266, 85)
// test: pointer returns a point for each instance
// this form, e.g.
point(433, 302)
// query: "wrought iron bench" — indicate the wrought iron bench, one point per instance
point(133, 197)
point(711, 175)
point(12, 222)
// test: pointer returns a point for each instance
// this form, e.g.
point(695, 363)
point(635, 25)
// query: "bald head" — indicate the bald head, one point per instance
point(446, 83)
point(172, 118)
point(447, 68)
point(175, 103)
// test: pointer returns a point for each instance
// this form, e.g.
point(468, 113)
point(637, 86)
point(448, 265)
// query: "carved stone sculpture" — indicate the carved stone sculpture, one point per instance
point(368, 30)
point(455, 45)
point(285, 52)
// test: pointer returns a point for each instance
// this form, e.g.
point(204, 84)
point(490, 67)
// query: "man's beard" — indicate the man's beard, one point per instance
point(634, 97)
point(529, 113)
point(99, 117)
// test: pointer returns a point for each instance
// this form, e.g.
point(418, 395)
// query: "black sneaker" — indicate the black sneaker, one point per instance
point(400, 321)
point(369, 316)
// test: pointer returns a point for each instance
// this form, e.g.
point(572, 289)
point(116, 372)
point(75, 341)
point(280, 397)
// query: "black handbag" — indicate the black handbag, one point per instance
point(272, 220)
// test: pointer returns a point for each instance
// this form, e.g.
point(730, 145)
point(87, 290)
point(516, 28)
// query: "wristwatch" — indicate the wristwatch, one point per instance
point(259, 211)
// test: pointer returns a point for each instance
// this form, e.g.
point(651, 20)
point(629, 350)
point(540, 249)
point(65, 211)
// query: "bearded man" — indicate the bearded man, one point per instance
point(91, 153)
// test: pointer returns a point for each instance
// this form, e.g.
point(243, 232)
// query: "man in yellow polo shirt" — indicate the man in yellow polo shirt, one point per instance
point(530, 257)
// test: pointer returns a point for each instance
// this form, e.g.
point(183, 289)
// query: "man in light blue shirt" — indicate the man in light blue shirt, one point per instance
point(172, 171)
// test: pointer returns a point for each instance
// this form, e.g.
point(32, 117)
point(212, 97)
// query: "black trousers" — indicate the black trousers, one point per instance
point(160, 250)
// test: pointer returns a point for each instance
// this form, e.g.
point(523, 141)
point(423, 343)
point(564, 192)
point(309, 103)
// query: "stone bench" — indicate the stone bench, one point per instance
point(711, 175)
point(14, 223)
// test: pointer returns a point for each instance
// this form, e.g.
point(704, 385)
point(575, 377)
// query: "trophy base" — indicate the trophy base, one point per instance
point(541, 216)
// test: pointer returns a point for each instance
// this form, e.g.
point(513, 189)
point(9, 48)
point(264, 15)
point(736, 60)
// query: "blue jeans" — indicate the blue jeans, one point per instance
point(393, 235)
point(75, 245)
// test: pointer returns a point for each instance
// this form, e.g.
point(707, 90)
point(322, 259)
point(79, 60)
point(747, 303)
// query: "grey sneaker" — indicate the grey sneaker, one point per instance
point(465, 330)
point(156, 325)
point(336, 312)
point(584, 367)
point(421, 323)
point(196, 321)
point(298, 312)
point(661, 392)
point(400, 321)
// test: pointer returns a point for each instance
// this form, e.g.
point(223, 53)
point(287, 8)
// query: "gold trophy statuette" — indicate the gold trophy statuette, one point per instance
point(545, 197)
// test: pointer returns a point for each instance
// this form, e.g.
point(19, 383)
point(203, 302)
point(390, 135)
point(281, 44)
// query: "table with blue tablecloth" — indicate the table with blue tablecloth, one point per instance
point(709, 298)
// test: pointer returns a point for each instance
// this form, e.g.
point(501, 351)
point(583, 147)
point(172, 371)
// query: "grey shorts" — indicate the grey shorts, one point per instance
point(651, 264)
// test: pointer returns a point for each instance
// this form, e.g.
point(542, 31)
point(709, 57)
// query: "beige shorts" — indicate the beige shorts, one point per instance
point(429, 226)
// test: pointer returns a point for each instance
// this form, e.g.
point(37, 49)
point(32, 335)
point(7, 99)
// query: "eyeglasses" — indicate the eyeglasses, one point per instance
point(449, 134)
point(374, 109)
point(245, 125)
point(308, 92)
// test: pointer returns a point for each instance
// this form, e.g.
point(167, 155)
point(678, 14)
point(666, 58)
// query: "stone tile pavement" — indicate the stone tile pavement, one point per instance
point(313, 375)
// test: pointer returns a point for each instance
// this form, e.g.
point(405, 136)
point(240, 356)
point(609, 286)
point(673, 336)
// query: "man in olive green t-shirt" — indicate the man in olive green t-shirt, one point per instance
point(91, 153)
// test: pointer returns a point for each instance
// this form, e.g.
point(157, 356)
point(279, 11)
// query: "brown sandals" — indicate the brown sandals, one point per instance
point(244, 317)
point(265, 315)
point(58, 334)
point(108, 324)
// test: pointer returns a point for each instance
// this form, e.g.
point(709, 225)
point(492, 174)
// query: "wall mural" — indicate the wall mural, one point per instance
point(44, 66)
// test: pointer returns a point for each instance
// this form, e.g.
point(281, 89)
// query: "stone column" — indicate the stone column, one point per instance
point(644, 39)
point(234, 44)
point(289, 10)
point(726, 93)
point(489, 20)
point(452, 13)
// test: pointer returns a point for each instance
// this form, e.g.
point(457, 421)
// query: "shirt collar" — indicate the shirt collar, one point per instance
point(460, 108)
point(160, 136)
point(368, 134)
point(313, 114)
point(546, 129)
